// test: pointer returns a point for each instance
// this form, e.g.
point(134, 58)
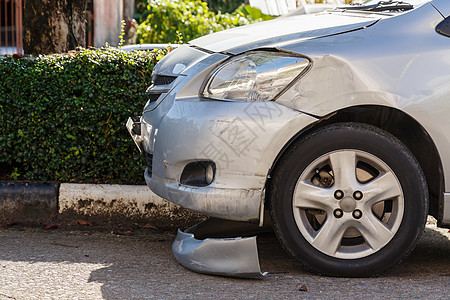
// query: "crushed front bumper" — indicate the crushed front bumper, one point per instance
point(241, 139)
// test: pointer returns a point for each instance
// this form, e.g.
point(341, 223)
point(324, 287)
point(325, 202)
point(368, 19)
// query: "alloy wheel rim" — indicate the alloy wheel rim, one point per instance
point(348, 204)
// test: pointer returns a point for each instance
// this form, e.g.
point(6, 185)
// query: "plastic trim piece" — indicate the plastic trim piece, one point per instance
point(235, 257)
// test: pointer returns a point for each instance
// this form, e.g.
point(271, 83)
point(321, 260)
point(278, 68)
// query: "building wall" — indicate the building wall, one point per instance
point(128, 9)
point(107, 17)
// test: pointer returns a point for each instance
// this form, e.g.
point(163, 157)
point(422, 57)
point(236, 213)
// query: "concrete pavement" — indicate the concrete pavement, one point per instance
point(90, 263)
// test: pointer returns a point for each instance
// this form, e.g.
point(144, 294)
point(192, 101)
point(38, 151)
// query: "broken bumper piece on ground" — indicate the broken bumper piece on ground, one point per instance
point(234, 257)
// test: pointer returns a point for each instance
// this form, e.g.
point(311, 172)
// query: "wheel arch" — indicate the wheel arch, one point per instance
point(403, 127)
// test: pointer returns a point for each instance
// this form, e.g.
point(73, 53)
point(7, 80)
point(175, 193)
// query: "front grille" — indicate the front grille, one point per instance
point(149, 158)
point(163, 80)
point(153, 97)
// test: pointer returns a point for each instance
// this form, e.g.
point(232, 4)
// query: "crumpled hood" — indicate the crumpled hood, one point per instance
point(281, 30)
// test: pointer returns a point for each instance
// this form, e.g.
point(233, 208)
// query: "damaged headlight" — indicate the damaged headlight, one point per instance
point(254, 76)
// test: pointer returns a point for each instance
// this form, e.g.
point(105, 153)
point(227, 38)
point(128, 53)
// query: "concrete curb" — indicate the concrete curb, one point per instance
point(99, 203)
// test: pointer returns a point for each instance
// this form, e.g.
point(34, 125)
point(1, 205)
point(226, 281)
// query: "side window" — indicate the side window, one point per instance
point(444, 27)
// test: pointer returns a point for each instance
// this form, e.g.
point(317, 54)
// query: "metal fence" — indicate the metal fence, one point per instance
point(11, 31)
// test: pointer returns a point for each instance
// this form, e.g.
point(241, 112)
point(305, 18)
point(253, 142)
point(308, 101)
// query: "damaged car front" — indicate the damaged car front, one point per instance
point(303, 116)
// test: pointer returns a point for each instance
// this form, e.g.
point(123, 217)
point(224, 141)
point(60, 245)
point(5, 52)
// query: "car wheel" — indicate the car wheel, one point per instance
point(348, 200)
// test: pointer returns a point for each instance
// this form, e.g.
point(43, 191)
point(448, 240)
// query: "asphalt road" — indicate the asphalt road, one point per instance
point(89, 263)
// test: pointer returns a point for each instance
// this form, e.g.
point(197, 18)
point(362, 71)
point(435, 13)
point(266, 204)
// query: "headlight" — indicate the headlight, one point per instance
point(254, 76)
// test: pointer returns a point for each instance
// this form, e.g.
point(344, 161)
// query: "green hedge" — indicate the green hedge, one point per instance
point(62, 117)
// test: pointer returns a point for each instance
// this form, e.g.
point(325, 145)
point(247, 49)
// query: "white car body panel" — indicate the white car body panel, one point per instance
point(350, 67)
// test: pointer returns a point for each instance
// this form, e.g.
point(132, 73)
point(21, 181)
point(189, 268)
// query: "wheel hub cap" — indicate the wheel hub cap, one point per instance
point(348, 204)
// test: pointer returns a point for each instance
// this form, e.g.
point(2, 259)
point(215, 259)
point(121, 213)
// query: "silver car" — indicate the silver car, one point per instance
point(336, 123)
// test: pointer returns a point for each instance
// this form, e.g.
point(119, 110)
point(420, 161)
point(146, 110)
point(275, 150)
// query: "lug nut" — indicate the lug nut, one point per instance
point(357, 195)
point(338, 213)
point(339, 194)
point(357, 214)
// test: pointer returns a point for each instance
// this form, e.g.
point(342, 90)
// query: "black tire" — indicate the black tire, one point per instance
point(367, 232)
